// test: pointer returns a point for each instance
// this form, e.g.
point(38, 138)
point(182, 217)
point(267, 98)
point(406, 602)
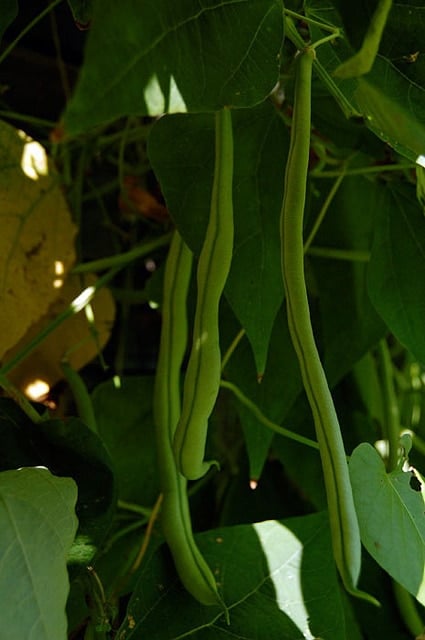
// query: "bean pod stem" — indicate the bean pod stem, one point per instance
point(202, 380)
point(343, 518)
point(193, 570)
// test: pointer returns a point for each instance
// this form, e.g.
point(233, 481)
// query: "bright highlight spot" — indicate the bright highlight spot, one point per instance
point(83, 299)
point(34, 158)
point(153, 305)
point(89, 314)
point(158, 103)
point(59, 271)
point(116, 380)
point(253, 484)
point(420, 160)
point(37, 390)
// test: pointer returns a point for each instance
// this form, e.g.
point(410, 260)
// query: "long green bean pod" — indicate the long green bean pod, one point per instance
point(193, 571)
point(202, 380)
point(343, 519)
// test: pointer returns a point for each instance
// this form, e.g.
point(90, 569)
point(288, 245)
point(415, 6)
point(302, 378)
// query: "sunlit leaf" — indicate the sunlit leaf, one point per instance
point(37, 235)
point(391, 518)
point(38, 525)
point(153, 57)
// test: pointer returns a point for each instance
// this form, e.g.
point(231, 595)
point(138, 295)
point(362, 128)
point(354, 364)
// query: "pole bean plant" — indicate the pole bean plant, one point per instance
point(218, 278)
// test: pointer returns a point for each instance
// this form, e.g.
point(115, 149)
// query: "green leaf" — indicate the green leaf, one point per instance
point(152, 58)
point(349, 323)
point(389, 115)
point(125, 423)
point(82, 11)
point(185, 172)
point(396, 275)
point(68, 448)
point(391, 518)
point(37, 527)
point(278, 580)
point(9, 11)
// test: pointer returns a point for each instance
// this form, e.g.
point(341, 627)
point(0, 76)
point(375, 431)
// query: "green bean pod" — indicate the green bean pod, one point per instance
point(191, 567)
point(202, 380)
point(343, 518)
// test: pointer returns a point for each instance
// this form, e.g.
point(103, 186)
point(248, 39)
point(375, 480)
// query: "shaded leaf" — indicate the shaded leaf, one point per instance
point(37, 236)
point(125, 423)
point(151, 58)
point(391, 518)
point(398, 252)
point(38, 525)
point(67, 448)
point(185, 172)
point(281, 571)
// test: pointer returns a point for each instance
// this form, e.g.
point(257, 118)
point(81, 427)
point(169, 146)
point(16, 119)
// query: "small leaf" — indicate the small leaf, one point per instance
point(37, 527)
point(391, 518)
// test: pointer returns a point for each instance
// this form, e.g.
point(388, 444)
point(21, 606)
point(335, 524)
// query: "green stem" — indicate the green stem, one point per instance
point(339, 254)
point(256, 411)
point(231, 349)
point(76, 305)
point(392, 426)
point(81, 396)
point(360, 171)
point(20, 399)
point(323, 211)
point(121, 259)
point(135, 508)
point(409, 613)
point(28, 28)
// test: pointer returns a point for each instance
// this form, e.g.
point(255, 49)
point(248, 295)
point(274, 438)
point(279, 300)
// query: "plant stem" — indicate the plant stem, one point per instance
point(20, 399)
point(391, 409)
point(231, 349)
point(323, 211)
point(76, 305)
point(409, 613)
point(339, 254)
point(121, 259)
point(28, 28)
point(256, 411)
point(81, 396)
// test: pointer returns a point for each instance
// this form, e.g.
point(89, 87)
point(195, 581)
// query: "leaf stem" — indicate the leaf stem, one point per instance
point(81, 396)
point(256, 411)
point(339, 254)
point(231, 349)
point(409, 613)
point(391, 425)
point(20, 399)
point(76, 305)
point(28, 28)
point(323, 211)
point(121, 259)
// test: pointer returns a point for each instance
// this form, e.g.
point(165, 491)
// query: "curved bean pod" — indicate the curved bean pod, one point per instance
point(202, 380)
point(193, 571)
point(342, 515)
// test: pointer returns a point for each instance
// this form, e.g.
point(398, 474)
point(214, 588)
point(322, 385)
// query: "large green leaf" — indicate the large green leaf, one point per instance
point(185, 171)
point(278, 580)
point(153, 57)
point(396, 275)
point(37, 527)
point(390, 509)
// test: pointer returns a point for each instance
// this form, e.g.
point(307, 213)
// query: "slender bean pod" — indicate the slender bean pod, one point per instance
point(342, 514)
point(202, 380)
point(362, 61)
point(194, 572)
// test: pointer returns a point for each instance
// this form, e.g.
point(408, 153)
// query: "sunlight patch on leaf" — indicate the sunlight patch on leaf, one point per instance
point(287, 584)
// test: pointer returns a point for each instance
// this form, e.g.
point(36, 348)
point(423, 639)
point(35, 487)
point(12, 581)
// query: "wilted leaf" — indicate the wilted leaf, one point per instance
point(36, 241)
